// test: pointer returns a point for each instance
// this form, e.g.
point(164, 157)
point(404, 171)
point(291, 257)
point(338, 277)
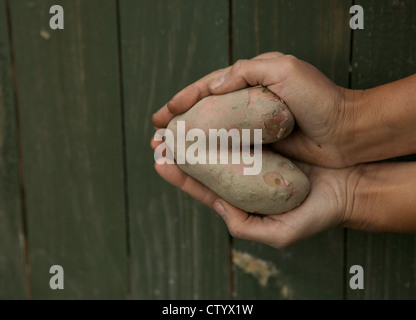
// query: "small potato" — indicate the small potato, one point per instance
point(278, 186)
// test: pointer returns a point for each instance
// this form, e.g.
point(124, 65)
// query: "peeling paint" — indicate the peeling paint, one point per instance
point(285, 292)
point(260, 269)
point(45, 34)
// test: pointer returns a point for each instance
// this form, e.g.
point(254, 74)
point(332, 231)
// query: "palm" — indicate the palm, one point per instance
point(322, 209)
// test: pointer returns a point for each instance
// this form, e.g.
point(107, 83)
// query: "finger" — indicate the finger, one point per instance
point(240, 224)
point(263, 56)
point(268, 55)
point(178, 178)
point(162, 117)
point(280, 230)
point(245, 73)
point(154, 144)
point(200, 89)
point(270, 229)
point(185, 99)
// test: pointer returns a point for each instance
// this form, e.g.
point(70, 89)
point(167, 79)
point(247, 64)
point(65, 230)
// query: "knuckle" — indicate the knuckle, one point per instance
point(290, 61)
point(174, 105)
point(239, 66)
point(290, 58)
point(284, 236)
point(273, 55)
point(220, 71)
point(282, 244)
point(171, 105)
point(235, 231)
point(276, 54)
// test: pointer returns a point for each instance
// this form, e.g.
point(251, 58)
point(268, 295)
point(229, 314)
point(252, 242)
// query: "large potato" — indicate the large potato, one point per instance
point(252, 108)
point(279, 186)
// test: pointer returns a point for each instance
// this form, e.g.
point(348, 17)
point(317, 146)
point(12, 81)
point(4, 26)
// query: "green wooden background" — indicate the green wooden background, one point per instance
point(77, 185)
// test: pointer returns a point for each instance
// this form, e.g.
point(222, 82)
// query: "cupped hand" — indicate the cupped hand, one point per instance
point(327, 205)
point(322, 109)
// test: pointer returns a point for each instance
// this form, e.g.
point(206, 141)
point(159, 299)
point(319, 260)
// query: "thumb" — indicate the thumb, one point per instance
point(242, 74)
point(244, 225)
point(238, 222)
point(271, 230)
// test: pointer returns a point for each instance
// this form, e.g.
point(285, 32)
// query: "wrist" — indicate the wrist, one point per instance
point(359, 195)
point(381, 198)
point(379, 122)
point(350, 125)
point(369, 128)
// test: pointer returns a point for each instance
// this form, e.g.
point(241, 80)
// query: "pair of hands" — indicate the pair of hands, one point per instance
point(323, 146)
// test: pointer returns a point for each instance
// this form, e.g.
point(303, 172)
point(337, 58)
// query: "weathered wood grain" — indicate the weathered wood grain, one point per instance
point(179, 249)
point(118, 236)
point(70, 115)
point(317, 32)
point(384, 51)
point(12, 241)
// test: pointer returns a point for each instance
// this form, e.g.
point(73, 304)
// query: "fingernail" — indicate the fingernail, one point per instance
point(217, 83)
point(219, 207)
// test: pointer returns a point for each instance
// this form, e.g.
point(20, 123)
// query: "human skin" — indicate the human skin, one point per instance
point(374, 197)
point(337, 131)
point(336, 127)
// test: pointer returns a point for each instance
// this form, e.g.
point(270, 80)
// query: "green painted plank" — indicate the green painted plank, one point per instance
point(12, 268)
point(317, 32)
point(70, 114)
point(179, 249)
point(384, 51)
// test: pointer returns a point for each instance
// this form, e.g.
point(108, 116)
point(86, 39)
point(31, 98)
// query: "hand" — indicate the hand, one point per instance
point(319, 106)
point(336, 128)
point(370, 197)
point(325, 207)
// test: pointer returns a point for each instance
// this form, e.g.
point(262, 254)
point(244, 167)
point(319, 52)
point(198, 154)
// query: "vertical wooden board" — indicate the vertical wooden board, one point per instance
point(384, 51)
point(70, 114)
point(12, 269)
point(179, 248)
point(317, 32)
point(388, 262)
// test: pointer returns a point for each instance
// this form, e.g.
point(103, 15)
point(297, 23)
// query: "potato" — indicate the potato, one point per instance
point(252, 108)
point(279, 185)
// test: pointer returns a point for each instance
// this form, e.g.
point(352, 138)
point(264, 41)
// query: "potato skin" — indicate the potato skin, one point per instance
point(251, 108)
point(280, 186)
